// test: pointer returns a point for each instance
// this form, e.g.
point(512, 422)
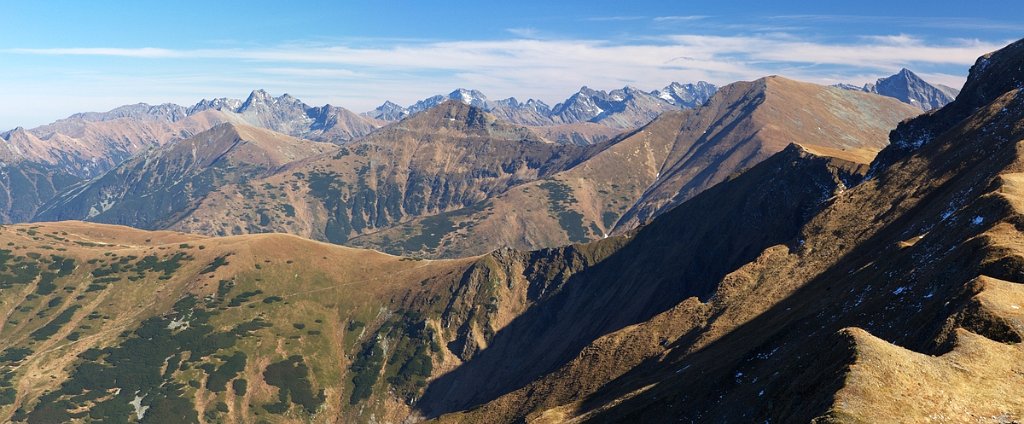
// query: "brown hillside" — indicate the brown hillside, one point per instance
point(747, 122)
point(157, 187)
point(445, 158)
point(646, 172)
point(896, 303)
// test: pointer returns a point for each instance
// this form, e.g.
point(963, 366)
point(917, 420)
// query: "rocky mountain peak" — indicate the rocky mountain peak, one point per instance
point(471, 97)
point(908, 87)
point(258, 96)
point(14, 132)
point(454, 113)
point(389, 111)
point(992, 76)
point(686, 95)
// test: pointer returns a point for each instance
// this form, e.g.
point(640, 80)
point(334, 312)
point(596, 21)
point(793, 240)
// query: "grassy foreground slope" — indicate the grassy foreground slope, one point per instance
point(111, 323)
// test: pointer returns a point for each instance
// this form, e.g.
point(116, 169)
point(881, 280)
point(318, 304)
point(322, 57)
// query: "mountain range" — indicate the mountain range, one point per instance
point(805, 287)
point(644, 173)
point(778, 251)
point(455, 180)
point(623, 108)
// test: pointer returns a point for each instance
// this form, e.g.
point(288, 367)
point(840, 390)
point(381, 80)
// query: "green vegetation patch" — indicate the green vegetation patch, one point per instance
point(609, 218)
point(55, 324)
point(244, 297)
point(17, 270)
point(219, 377)
point(240, 386)
point(560, 197)
point(217, 263)
point(14, 354)
point(291, 377)
point(143, 364)
point(365, 370)
point(410, 362)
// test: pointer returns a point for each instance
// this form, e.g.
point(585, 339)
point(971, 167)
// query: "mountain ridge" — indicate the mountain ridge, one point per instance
point(622, 109)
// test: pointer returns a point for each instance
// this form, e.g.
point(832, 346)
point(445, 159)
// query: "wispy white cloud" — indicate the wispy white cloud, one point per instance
point(362, 75)
point(732, 51)
point(524, 32)
point(680, 18)
point(942, 22)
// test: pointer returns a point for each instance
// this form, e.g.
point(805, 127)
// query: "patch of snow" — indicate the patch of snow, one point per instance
point(899, 290)
point(983, 64)
point(177, 323)
point(977, 220)
point(140, 409)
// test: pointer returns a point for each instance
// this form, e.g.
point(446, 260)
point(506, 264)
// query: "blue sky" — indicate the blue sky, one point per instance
point(61, 57)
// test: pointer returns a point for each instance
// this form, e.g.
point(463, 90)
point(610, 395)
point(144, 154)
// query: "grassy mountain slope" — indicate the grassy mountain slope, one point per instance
point(677, 260)
point(445, 158)
point(158, 187)
point(897, 302)
point(239, 328)
point(643, 173)
point(88, 147)
point(748, 122)
point(163, 325)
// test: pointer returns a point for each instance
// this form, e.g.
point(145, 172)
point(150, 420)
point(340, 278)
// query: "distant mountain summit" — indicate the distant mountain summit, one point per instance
point(531, 112)
point(686, 95)
point(90, 143)
point(624, 108)
point(909, 88)
point(289, 115)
